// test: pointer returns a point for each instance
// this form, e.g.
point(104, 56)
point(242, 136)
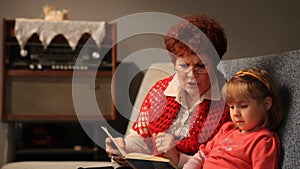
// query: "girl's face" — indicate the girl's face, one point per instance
point(194, 73)
point(249, 114)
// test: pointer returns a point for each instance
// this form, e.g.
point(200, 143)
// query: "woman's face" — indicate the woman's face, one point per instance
point(194, 73)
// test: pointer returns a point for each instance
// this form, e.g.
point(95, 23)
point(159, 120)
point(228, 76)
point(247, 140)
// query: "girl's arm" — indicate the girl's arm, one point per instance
point(266, 153)
point(196, 162)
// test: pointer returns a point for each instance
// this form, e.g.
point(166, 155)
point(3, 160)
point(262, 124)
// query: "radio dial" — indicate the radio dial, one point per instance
point(95, 55)
point(31, 66)
point(23, 53)
point(39, 66)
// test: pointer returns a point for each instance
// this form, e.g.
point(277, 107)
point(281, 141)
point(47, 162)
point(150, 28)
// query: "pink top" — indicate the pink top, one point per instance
point(232, 149)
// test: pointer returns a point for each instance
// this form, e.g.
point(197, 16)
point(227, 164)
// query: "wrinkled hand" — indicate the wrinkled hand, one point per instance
point(166, 144)
point(110, 147)
point(113, 152)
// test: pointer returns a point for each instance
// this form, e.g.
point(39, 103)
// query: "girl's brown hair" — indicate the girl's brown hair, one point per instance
point(256, 84)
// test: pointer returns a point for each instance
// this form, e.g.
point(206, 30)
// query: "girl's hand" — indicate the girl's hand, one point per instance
point(195, 162)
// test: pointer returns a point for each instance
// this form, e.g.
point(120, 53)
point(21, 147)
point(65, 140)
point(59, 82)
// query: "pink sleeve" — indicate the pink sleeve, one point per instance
point(196, 162)
point(266, 153)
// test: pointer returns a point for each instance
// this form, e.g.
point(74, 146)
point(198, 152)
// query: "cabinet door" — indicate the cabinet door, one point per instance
point(50, 98)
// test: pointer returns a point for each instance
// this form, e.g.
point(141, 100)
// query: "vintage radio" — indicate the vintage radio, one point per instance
point(58, 55)
point(33, 78)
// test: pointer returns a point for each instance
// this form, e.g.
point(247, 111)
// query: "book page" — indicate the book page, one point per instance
point(122, 151)
point(145, 157)
point(140, 160)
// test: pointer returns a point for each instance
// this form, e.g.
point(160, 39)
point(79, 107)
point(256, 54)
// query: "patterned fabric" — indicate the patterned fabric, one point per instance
point(158, 112)
point(261, 149)
point(231, 148)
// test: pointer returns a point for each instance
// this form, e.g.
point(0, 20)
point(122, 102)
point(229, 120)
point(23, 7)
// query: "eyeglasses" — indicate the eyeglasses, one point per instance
point(197, 69)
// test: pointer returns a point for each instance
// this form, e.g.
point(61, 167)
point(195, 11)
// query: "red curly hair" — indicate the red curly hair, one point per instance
point(184, 31)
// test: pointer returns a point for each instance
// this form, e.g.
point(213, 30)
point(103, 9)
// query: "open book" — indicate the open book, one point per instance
point(142, 161)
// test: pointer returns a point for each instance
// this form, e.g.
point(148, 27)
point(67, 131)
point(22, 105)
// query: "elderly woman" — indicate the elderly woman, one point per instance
point(186, 109)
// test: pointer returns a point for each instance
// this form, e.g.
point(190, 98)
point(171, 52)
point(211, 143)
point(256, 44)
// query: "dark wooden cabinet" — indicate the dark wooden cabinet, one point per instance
point(41, 89)
point(49, 141)
point(37, 95)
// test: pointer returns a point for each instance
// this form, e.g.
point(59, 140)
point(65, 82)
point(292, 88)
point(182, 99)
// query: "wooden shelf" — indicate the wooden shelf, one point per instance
point(59, 154)
point(54, 151)
point(54, 117)
point(56, 73)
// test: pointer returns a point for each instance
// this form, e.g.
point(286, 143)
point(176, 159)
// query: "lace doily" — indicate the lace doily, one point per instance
point(47, 30)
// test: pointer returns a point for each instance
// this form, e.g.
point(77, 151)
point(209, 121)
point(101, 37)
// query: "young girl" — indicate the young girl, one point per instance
point(249, 141)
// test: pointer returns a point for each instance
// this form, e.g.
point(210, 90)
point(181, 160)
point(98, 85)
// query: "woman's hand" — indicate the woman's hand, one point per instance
point(164, 142)
point(111, 148)
point(113, 152)
point(166, 145)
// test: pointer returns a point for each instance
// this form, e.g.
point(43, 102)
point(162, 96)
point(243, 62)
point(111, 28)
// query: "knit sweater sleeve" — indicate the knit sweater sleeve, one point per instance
point(141, 125)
